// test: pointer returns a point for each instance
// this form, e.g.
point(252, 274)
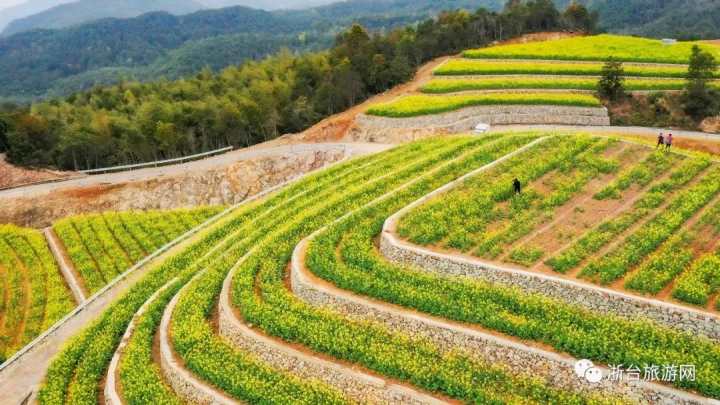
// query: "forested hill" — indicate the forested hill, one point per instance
point(26, 8)
point(254, 102)
point(685, 19)
point(38, 63)
point(132, 42)
point(82, 11)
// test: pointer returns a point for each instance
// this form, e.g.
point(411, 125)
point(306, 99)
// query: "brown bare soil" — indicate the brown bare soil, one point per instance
point(92, 192)
point(70, 264)
point(335, 127)
point(540, 37)
point(14, 176)
point(584, 212)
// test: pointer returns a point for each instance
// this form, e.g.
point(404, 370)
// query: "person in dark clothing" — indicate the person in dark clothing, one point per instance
point(661, 141)
point(517, 186)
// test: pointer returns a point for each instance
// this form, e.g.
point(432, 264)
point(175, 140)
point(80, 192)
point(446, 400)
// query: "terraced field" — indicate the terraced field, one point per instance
point(33, 294)
point(290, 299)
point(551, 73)
point(103, 246)
point(620, 215)
point(596, 48)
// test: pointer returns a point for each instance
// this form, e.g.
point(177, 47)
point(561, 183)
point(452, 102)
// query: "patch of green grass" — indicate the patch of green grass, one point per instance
point(417, 105)
point(594, 48)
point(442, 86)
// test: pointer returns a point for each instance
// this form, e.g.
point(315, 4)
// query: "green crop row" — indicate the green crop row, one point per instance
point(700, 281)
point(457, 218)
point(77, 371)
point(674, 256)
point(442, 86)
point(594, 48)
point(652, 234)
point(37, 295)
point(103, 246)
point(470, 67)
point(640, 174)
point(417, 105)
point(290, 319)
point(346, 255)
point(573, 170)
point(190, 315)
point(603, 234)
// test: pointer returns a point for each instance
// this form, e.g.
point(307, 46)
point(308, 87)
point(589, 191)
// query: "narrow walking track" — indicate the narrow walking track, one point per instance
point(21, 375)
point(65, 267)
point(258, 151)
point(614, 130)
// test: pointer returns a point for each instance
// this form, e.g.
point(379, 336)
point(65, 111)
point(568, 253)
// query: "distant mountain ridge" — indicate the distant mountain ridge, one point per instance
point(684, 19)
point(266, 4)
point(27, 8)
point(82, 11)
point(104, 51)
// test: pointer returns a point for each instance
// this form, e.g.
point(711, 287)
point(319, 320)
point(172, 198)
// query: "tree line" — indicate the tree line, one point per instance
point(257, 101)
point(699, 100)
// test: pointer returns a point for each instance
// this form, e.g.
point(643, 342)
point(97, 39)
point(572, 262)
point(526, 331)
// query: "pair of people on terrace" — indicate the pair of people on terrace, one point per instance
point(666, 141)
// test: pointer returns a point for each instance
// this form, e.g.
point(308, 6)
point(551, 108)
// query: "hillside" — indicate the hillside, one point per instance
point(81, 11)
point(274, 289)
point(145, 47)
point(26, 8)
point(240, 106)
point(419, 264)
point(266, 4)
point(690, 19)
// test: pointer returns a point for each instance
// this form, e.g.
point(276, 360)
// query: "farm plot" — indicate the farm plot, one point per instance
point(417, 105)
point(247, 254)
point(33, 293)
point(634, 218)
point(558, 73)
point(264, 234)
point(479, 67)
point(103, 246)
point(596, 48)
point(443, 86)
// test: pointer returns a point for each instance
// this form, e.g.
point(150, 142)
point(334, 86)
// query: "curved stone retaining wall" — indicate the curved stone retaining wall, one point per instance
point(575, 292)
point(181, 380)
point(357, 385)
point(598, 299)
point(466, 118)
point(112, 395)
point(554, 368)
point(383, 129)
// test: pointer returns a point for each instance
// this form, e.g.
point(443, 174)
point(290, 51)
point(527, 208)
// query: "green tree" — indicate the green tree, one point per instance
point(577, 17)
point(699, 100)
point(4, 128)
point(612, 81)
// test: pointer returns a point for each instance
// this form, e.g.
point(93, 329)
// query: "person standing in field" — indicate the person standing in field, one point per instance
point(517, 186)
point(661, 141)
point(668, 142)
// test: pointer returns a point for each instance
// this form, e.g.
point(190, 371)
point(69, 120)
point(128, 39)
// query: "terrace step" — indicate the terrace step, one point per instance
point(581, 293)
point(557, 369)
point(466, 119)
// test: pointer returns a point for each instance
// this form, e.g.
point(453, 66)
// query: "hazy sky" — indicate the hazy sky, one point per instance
point(9, 3)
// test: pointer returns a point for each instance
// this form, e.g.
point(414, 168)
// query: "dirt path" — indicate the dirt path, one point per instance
point(13, 176)
point(335, 127)
point(269, 149)
point(703, 141)
point(67, 270)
